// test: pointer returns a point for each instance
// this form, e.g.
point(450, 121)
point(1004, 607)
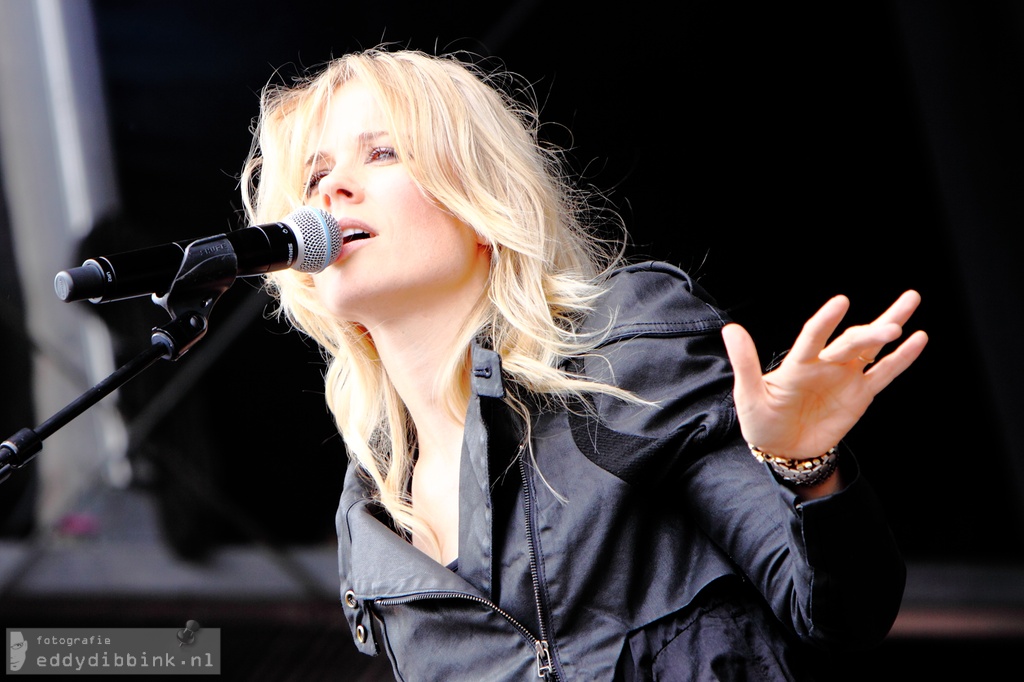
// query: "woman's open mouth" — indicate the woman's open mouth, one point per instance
point(354, 234)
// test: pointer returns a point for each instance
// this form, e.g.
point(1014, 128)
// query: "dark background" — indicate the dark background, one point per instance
point(781, 154)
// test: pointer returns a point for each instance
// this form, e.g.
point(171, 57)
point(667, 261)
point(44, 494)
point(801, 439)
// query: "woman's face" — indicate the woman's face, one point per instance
point(403, 255)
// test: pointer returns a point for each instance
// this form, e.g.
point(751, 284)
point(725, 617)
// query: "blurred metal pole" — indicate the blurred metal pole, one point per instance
point(59, 180)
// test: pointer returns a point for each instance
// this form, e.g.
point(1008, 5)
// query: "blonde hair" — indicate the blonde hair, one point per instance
point(473, 148)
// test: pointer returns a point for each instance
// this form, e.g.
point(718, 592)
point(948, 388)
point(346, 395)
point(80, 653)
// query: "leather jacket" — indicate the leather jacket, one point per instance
point(615, 549)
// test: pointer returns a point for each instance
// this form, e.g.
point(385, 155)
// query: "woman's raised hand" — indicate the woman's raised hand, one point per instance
point(812, 399)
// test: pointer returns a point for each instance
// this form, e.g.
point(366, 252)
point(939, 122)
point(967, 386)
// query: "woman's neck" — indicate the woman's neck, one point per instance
point(415, 355)
point(417, 344)
point(415, 352)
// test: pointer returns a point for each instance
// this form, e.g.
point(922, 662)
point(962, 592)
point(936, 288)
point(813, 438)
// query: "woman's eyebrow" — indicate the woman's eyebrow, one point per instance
point(370, 136)
point(314, 158)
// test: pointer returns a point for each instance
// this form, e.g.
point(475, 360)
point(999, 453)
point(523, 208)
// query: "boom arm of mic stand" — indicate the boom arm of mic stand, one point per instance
point(207, 271)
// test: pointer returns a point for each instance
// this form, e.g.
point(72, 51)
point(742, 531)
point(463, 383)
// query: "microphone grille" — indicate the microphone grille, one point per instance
point(320, 238)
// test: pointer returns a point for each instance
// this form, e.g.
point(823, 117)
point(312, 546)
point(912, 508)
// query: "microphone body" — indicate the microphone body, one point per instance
point(308, 240)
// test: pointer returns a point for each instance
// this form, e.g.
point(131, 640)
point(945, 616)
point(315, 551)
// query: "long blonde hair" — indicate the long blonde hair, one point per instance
point(472, 147)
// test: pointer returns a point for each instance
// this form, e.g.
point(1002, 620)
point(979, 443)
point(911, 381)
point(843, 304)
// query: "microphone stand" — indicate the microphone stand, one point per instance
point(208, 269)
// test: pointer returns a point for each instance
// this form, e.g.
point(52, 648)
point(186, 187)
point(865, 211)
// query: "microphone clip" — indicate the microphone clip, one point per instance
point(208, 268)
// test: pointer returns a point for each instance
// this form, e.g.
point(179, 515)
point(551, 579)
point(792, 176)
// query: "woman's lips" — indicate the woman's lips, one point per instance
point(352, 232)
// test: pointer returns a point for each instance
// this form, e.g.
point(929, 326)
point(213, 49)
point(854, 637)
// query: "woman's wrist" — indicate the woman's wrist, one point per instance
point(804, 473)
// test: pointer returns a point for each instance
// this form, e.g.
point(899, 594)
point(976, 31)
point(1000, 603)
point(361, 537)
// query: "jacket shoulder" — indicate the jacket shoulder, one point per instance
point(661, 341)
point(654, 298)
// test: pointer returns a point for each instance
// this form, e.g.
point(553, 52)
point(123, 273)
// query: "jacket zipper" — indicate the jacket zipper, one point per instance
point(543, 657)
point(542, 650)
point(545, 664)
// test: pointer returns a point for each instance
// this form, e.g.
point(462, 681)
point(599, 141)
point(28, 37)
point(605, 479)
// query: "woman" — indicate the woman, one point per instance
point(548, 474)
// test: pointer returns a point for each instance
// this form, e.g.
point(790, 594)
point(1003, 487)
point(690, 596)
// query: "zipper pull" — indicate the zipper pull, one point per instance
point(544, 665)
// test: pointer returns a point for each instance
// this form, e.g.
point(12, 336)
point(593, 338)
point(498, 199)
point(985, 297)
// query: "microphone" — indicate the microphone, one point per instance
point(308, 240)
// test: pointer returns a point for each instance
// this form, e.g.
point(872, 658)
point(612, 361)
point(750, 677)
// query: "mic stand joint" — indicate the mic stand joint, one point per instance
point(208, 269)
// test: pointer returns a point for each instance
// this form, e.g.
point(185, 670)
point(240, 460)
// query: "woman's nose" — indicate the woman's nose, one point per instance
point(339, 186)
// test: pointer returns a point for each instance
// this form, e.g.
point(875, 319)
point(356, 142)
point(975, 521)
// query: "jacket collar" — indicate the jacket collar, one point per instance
point(383, 564)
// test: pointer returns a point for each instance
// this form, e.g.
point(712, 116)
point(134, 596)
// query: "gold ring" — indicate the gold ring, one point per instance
point(866, 361)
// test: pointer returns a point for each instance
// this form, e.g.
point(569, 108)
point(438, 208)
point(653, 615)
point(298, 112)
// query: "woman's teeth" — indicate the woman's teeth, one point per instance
point(352, 234)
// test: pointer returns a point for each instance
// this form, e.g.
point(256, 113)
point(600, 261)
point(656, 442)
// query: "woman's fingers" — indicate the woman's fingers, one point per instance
point(745, 363)
point(817, 330)
point(901, 310)
point(864, 343)
point(892, 365)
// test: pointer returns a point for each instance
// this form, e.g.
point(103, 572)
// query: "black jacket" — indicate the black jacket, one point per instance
point(642, 543)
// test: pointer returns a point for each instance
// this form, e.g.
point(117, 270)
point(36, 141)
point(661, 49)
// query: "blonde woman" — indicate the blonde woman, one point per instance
point(561, 465)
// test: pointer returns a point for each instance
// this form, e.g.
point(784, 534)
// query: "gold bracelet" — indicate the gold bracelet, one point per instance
point(799, 471)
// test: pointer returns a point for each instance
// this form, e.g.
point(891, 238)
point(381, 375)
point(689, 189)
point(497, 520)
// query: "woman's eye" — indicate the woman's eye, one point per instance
point(379, 154)
point(314, 182)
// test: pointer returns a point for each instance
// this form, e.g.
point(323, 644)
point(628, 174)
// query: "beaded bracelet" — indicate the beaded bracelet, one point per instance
point(799, 471)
